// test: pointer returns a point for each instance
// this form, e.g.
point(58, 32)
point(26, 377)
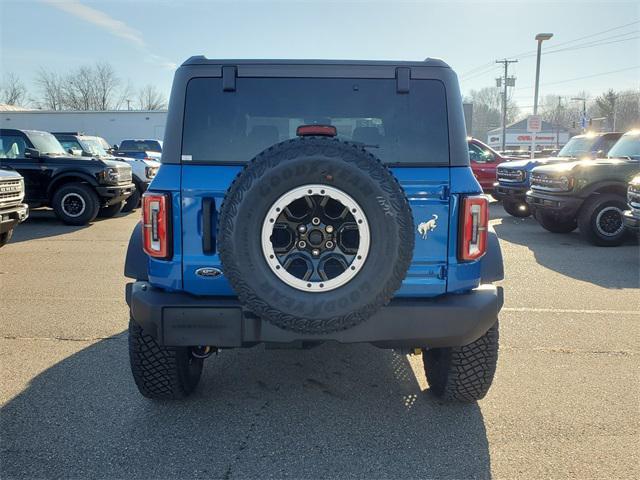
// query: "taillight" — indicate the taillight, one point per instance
point(156, 224)
point(317, 130)
point(474, 222)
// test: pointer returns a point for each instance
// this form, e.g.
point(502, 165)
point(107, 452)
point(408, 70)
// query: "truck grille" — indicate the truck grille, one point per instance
point(510, 175)
point(541, 181)
point(11, 192)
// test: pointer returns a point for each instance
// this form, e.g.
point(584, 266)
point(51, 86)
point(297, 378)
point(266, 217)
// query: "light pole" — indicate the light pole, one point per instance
point(541, 37)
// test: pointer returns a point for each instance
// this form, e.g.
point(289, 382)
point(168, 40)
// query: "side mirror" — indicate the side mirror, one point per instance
point(115, 147)
point(601, 154)
point(31, 153)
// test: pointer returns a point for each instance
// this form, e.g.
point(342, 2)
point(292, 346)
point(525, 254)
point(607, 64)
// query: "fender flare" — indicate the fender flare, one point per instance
point(592, 189)
point(136, 262)
point(56, 179)
point(491, 267)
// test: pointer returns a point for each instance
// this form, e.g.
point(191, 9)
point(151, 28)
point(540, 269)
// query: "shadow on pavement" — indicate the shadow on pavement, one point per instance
point(571, 255)
point(335, 411)
point(43, 223)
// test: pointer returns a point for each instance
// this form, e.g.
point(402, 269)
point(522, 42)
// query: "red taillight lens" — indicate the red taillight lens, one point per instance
point(474, 222)
point(320, 130)
point(156, 224)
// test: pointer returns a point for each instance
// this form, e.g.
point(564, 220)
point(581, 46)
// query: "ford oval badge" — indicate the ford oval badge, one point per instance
point(211, 272)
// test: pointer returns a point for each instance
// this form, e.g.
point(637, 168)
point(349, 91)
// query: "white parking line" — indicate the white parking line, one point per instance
point(570, 310)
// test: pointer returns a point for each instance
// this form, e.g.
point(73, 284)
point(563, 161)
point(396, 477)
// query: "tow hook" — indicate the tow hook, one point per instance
point(203, 351)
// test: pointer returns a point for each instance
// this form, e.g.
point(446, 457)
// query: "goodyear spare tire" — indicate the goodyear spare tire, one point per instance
point(315, 235)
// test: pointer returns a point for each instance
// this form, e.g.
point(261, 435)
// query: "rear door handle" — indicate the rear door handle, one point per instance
point(208, 206)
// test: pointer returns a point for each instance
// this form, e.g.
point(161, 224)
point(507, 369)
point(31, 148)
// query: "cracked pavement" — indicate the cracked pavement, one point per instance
point(565, 401)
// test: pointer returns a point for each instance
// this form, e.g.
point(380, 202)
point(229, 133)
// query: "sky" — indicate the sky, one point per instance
point(146, 40)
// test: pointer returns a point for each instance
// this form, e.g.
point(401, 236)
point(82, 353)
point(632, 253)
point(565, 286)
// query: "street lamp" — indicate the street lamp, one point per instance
point(583, 121)
point(541, 37)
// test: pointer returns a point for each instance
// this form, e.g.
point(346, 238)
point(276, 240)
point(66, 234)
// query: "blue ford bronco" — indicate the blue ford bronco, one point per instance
point(302, 202)
point(514, 178)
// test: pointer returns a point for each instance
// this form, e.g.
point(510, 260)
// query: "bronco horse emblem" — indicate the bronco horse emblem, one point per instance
point(425, 227)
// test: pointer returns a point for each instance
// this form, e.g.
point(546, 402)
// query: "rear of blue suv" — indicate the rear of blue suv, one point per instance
point(301, 202)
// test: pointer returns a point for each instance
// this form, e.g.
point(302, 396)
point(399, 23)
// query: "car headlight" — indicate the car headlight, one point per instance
point(150, 172)
point(111, 175)
point(565, 183)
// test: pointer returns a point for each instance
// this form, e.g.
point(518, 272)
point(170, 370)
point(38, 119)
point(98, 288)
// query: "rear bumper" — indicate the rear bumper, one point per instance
point(180, 319)
point(558, 205)
point(631, 221)
point(114, 194)
point(11, 216)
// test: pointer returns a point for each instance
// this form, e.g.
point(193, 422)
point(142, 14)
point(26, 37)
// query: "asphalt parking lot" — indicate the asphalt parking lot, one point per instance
point(565, 401)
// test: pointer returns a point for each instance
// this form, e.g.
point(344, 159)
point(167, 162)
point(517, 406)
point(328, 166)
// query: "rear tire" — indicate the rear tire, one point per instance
point(463, 374)
point(516, 209)
point(161, 372)
point(600, 220)
point(133, 201)
point(553, 225)
point(75, 204)
point(111, 210)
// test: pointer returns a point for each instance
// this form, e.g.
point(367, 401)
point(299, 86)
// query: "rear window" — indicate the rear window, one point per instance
point(141, 146)
point(233, 127)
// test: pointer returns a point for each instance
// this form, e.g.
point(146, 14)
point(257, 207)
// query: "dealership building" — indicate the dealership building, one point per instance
point(517, 137)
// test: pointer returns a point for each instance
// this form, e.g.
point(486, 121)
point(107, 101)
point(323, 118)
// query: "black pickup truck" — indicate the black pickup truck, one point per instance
point(12, 210)
point(78, 189)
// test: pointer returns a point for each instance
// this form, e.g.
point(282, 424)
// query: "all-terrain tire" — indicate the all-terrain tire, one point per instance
point(133, 201)
point(340, 165)
point(111, 210)
point(588, 219)
point(161, 372)
point(553, 224)
point(79, 192)
point(516, 209)
point(5, 237)
point(463, 374)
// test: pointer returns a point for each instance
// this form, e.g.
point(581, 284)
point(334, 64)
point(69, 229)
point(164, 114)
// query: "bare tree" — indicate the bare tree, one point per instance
point(51, 90)
point(150, 98)
point(106, 84)
point(80, 89)
point(487, 110)
point(12, 90)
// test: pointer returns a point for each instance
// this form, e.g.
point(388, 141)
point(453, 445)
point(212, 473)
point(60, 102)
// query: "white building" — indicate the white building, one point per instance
point(517, 137)
point(113, 125)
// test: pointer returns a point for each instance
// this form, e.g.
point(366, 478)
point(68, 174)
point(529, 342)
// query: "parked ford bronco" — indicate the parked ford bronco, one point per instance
point(77, 189)
point(12, 210)
point(631, 217)
point(589, 195)
point(514, 178)
point(301, 202)
point(143, 169)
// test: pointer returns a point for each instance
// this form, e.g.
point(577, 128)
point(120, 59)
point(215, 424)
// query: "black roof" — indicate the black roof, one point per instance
point(427, 62)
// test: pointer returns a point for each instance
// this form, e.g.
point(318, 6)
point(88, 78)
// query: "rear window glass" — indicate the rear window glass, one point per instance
point(233, 127)
point(140, 146)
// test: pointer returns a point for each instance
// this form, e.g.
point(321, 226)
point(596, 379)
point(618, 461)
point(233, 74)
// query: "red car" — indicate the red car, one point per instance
point(484, 161)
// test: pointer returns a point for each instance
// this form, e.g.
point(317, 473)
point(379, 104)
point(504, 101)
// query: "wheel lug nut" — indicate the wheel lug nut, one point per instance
point(302, 228)
point(302, 244)
point(329, 229)
point(315, 252)
point(315, 221)
point(329, 244)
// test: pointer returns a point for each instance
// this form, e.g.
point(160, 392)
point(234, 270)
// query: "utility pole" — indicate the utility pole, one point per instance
point(506, 81)
point(558, 122)
point(583, 121)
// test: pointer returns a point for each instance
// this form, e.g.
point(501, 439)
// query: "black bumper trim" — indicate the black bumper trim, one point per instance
point(631, 221)
point(11, 216)
point(560, 205)
point(116, 193)
point(180, 319)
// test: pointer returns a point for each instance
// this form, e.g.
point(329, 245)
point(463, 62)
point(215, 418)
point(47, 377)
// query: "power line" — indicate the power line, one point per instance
point(476, 71)
point(582, 78)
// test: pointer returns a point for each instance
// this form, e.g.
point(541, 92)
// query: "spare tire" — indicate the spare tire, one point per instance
point(315, 235)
